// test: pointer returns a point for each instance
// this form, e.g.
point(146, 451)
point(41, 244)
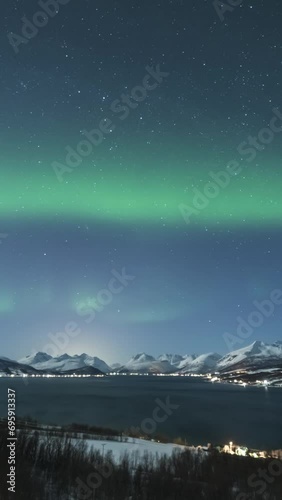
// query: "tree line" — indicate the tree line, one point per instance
point(50, 467)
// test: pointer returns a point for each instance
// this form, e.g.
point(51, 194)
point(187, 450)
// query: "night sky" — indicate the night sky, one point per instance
point(131, 200)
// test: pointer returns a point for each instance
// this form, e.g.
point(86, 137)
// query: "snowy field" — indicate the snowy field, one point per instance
point(137, 446)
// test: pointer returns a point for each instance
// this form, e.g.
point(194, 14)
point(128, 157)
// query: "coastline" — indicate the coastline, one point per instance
point(124, 439)
point(213, 378)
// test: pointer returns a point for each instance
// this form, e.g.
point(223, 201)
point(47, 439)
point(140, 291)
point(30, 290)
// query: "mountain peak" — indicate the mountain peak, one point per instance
point(63, 357)
point(82, 356)
point(173, 359)
point(142, 356)
point(258, 343)
point(38, 357)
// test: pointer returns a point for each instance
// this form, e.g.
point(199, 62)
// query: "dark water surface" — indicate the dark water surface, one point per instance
point(207, 412)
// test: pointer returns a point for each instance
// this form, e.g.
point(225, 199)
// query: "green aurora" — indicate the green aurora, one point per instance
point(130, 196)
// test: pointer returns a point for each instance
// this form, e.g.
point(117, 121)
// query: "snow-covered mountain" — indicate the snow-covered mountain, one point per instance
point(115, 366)
point(258, 355)
point(6, 359)
point(205, 363)
point(173, 359)
point(34, 359)
point(65, 362)
point(187, 359)
point(10, 367)
point(192, 363)
point(143, 363)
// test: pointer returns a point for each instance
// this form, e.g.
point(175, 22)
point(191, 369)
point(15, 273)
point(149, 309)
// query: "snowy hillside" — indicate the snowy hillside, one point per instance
point(205, 363)
point(186, 361)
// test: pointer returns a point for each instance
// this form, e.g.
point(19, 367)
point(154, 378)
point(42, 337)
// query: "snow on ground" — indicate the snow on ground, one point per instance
point(134, 445)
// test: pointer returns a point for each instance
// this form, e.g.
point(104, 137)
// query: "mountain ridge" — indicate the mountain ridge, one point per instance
point(65, 362)
point(256, 356)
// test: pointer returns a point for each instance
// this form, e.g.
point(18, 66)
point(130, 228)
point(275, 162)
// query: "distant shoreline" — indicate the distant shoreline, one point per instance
point(95, 433)
point(204, 377)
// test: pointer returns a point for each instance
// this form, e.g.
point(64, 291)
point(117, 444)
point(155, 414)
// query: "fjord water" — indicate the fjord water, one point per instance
point(207, 412)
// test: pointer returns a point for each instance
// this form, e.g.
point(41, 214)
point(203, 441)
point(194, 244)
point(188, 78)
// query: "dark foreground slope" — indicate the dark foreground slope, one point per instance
point(54, 468)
